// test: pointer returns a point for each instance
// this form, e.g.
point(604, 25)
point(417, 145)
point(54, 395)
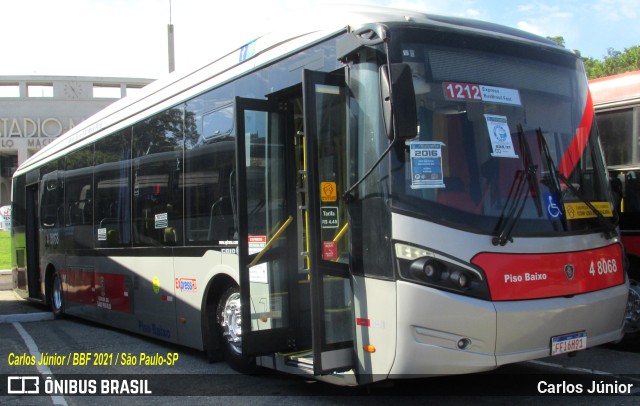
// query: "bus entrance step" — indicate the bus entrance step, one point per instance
point(302, 359)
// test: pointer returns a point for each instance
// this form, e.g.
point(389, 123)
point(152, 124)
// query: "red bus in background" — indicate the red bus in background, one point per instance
point(616, 101)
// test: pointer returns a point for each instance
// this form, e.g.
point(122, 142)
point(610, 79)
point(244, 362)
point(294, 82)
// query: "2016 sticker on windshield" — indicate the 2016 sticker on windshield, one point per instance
point(426, 164)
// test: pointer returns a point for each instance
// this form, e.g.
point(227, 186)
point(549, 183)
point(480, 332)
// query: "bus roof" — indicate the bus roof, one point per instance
point(616, 90)
point(293, 34)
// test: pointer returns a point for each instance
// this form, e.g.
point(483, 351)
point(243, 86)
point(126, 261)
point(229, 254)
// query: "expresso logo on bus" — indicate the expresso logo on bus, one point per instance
point(186, 285)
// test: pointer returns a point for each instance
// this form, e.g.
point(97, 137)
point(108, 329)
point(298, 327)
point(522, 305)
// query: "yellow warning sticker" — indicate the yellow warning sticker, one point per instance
point(582, 211)
point(328, 191)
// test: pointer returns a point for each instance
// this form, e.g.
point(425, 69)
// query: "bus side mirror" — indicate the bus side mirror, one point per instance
point(402, 109)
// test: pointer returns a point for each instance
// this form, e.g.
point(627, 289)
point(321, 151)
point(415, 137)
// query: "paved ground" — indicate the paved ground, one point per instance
point(15, 309)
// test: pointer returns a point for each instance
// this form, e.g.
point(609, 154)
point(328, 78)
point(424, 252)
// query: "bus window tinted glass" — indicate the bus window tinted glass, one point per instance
point(614, 127)
point(78, 193)
point(209, 187)
point(79, 196)
point(113, 190)
point(157, 175)
point(52, 192)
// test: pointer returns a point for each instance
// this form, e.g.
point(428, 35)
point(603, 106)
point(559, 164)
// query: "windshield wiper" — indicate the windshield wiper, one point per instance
point(556, 177)
point(516, 202)
point(553, 180)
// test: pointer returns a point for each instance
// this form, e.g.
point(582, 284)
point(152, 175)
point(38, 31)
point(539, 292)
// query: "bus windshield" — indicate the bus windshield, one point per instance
point(504, 141)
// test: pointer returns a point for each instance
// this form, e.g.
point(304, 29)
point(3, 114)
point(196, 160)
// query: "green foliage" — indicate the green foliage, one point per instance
point(613, 63)
point(558, 40)
point(5, 250)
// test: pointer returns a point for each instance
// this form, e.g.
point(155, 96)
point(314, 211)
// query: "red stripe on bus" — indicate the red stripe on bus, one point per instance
point(577, 146)
point(535, 276)
point(106, 291)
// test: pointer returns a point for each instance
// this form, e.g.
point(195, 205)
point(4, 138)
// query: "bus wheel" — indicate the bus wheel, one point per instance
point(230, 326)
point(57, 298)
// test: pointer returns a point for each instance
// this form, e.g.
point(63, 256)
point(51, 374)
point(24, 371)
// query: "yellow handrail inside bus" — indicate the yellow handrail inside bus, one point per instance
point(269, 243)
point(341, 233)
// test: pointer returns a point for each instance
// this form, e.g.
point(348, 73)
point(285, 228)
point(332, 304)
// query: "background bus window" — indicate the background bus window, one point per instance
point(614, 126)
point(157, 171)
point(113, 190)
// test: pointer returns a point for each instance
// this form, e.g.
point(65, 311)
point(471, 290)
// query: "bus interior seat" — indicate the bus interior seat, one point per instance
point(170, 235)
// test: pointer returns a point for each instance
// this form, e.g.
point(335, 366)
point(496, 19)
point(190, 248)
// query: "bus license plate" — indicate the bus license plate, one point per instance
point(568, 343)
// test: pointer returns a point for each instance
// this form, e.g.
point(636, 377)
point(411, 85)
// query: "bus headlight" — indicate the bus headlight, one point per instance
point(429, 268)
point(461, 279)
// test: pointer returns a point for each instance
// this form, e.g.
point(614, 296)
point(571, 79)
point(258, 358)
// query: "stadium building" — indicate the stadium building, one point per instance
point(34, 110)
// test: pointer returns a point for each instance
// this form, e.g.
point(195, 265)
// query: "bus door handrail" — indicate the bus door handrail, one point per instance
point(269, 243)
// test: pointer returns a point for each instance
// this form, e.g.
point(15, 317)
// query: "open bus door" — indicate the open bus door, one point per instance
point(266, 226)
point(331, 291)
point(272, 224)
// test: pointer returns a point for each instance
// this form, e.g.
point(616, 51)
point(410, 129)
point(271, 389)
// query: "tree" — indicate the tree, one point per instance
point(558, 40)
point(613, 63)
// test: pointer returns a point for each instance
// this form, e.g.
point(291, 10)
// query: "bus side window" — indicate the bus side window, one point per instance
point(52, 210)
point(157, 176)
point(78, 193)
point(112, 189)
point(209, 189)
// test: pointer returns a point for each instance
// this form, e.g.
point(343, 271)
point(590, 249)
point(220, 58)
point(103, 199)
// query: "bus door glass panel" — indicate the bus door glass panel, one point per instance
point(331, 292)
point(266, 229)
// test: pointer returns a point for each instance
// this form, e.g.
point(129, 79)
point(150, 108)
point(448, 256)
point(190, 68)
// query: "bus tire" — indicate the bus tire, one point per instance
point(229, 322)
point(56, 298)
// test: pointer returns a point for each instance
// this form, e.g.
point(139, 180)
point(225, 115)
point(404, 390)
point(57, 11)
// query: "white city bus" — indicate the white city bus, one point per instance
point(401, 195)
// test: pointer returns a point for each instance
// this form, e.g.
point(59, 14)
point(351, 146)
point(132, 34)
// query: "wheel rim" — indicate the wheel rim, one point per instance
point(56, 295)
point(231, 322)
point(632, 314)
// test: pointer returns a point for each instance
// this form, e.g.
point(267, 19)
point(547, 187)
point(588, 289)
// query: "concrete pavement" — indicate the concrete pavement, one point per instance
point(15, 309)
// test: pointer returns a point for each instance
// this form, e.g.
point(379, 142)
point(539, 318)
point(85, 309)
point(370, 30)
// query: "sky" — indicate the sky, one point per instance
point(128, 38)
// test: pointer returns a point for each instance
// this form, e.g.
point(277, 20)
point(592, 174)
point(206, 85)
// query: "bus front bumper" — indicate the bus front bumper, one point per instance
point(440, 333)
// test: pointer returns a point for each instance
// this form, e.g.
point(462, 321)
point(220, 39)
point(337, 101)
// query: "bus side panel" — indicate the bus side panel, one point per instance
point(192, 275)
point(155, 297)
point(375, 313)
point(136, 293)
point(431, 325)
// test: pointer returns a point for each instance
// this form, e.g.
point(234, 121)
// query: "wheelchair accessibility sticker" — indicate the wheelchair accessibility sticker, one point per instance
point(553, 209)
